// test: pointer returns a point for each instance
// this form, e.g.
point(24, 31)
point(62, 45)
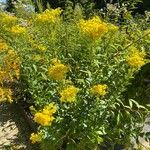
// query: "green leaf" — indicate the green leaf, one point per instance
point(130, 103)
point(136, 103)
point(35, 67)
point(71, 145)
point(99, 140)
point(118, 118)
point(44, 76)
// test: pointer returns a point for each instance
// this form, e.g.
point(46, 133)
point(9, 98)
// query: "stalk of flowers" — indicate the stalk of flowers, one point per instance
point(49, 16)
point(93, 28)
point(136, 58)
point(58, 71)
point(45, 116)
point(36, 137)
point(18, 30)
point(69, 94)
point(3, 45)
point(7, 19)
point(99, 89)
point(3, 75)
point(5, 94)
point(11, 63)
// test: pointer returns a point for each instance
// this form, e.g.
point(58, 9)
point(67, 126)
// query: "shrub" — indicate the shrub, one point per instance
point(74, 73)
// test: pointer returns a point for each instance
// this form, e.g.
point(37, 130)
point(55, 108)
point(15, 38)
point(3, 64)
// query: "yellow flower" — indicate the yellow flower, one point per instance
point(18, 30)
point(136, 58)
point(3, 45)
point(12, 64)
point(49, 109)
point(94, 28)
point(49, 16)
point(6, 94)
point(17, 73)
point(69, 94)
point(36, 137)
point(3, 75)
point(58, 71)
point(43, 119)
point(99, 89)
point(8, 19)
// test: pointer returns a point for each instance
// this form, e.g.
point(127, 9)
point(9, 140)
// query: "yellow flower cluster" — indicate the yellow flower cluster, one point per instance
point(12, 65)
point(136, 58)
point(3, 45)
point(7, 19)
point(36, 137)
point(49, 16)
point(58, 71)
point(94, 28)
point(100, 89)
point(5, 94)
point(69, 94)
point(3, 75)
point(18, 30)
point(45, 117)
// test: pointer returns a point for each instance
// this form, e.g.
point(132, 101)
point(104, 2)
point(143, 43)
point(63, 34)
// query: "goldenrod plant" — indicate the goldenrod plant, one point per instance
point(74, 74)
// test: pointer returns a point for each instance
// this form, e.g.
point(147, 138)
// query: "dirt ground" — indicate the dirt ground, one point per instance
point(14, 131)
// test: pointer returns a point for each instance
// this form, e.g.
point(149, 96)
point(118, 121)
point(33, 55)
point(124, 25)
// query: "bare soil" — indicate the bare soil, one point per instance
point(14, 130)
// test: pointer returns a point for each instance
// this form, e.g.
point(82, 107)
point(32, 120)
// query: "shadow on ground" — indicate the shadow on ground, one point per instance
point(14, 131)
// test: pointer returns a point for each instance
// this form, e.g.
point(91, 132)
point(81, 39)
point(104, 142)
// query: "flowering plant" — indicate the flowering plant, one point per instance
point(75, 73)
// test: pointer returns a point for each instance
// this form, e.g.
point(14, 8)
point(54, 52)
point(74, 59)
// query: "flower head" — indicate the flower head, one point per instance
point(36, 137)
point(3, 75)
point(49, 109)
point(49, 16)
point(136, 58)
point(12, 64)
point(3, 45)
point(43, 119)
point(58, 71)
point(69, 94)
point(99, 89)
point(94, 28)
point(6, 94)
point(7, 19)
point(18, 30)
point(45, 116)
